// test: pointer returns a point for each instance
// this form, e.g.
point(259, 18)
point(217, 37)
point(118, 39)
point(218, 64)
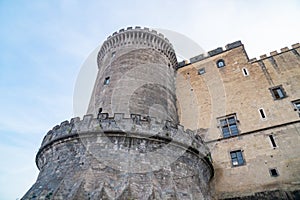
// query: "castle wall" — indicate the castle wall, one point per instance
point(121, 158)
point(140, 66)
point(259, 155)
point(225, 91)
point(130, 146)
point(134, 148)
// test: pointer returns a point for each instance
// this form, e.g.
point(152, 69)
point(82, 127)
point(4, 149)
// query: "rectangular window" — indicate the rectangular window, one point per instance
point(201, 71)
point(273, 172)
point(296, 105)
point(278, 92)
point(262, 113)
point(237, 158)
point(229, 126)
point(272, 141)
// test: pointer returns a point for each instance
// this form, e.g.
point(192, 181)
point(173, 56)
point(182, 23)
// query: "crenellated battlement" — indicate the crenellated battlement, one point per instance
point(141, 37)
point(230, 46)
point(116, 153)
point(275, 53)
point(211, 53)
point(135, 127)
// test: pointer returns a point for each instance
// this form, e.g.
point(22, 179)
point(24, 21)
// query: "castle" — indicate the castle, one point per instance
point(219, 126)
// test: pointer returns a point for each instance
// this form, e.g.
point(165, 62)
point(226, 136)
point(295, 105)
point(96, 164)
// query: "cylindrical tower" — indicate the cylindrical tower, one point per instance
point(136, 75)
point(129, 146)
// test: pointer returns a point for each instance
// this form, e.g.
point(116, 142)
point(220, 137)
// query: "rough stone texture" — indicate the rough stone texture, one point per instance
point(144, 154)
point(140, 64)
point(271, 195)
point(259, 156)
point(134, 148)
point(119, 158)
point(223, 91)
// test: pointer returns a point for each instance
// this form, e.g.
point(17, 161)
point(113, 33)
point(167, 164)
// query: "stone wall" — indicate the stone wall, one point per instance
point(260, 156)
point(140, 154)
point(144, 154)
point(270, 195)
point(121, 158)
point(140, 66)
point(222, 91)
point(219, 92)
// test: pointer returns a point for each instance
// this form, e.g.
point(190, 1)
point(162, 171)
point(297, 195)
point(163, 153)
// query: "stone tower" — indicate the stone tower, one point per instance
point(136, 75)
point(129, 145)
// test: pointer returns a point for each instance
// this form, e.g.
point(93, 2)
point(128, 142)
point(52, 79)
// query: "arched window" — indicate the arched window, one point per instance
point(220, 63)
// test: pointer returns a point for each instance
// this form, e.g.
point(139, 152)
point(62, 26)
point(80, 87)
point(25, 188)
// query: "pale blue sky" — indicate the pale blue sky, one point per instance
point(44, 43)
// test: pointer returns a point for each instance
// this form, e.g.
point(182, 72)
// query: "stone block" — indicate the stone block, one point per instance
point(215, 51)
point(263, 56)
point(295, 45)
point(273, 53)
point(233, 45)
point(282, 50)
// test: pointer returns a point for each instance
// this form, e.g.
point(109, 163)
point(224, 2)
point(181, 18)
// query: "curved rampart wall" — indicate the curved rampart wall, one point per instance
point(121, 158)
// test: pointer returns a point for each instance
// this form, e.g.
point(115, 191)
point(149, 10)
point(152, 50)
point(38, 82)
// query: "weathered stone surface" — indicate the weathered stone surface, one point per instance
point(220, 92)
point(134, 148)
point(141, 67)
point(121, 160)
point(270, 195)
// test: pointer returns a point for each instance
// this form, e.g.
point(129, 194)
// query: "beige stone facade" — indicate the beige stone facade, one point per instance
point(258, 96)
point(131, 146)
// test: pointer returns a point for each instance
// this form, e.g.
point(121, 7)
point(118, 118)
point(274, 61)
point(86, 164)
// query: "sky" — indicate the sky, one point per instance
point(43, 45)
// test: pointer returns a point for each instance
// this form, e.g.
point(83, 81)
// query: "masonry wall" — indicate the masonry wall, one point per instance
point(260, 157)
point(121, 158)
point(130, 145)
point(136, 75)
point(202, 99)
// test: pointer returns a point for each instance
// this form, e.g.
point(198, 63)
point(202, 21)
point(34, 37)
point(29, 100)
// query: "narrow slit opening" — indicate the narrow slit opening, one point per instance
point(272, 141)
point(262, 113)
point(245, 71)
